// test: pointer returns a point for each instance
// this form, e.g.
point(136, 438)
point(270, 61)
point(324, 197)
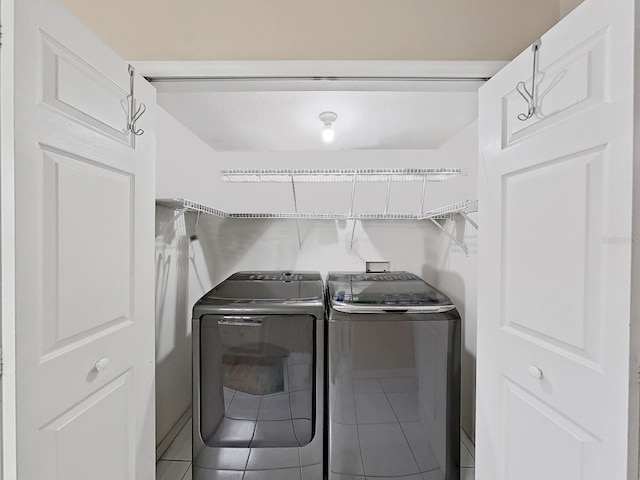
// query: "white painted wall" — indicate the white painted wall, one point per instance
point(173, 331)
point(187, 168)
point(195, 174)
point(457, 272)
point(181, 278)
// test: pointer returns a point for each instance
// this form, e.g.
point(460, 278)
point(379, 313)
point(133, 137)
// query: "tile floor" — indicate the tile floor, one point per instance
point(176, 462)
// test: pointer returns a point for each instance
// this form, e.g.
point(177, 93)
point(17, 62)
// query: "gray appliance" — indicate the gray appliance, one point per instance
point(394, 378)
point(258, 378)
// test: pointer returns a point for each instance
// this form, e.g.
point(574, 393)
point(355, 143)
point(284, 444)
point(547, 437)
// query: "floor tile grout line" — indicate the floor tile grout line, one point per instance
point(172, 460)
point(173, 442)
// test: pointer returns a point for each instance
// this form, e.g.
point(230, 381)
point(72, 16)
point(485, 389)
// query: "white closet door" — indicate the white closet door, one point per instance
point(84, 256)
point(555, 256)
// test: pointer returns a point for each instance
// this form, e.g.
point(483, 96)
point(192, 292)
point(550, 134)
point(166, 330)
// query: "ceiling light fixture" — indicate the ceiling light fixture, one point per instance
point(327, 118)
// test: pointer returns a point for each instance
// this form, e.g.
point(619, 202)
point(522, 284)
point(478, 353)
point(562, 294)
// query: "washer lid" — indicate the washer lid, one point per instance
point(385, 292)
point(267, 287)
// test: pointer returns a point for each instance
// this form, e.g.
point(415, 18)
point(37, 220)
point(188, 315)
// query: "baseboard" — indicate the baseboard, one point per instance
point(168, 439)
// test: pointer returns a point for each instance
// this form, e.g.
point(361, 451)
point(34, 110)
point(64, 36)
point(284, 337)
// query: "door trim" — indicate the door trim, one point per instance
point(7, 245)
point(318, 70)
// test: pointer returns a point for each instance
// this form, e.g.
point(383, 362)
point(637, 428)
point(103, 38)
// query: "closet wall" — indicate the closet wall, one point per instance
point(188, 168)
point(181, 278)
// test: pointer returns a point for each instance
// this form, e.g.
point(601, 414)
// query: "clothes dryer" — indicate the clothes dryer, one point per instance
point(258, 377)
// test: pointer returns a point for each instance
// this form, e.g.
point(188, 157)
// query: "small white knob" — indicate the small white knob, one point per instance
point(101, 365)
point(535, 372)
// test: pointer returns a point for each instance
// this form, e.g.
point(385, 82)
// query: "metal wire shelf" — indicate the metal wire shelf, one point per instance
point(442, 213)
point(340, 175)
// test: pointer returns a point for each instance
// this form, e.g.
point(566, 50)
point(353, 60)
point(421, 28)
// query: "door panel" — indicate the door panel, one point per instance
point(572, 82)
point(566, 457)
point(554, 281)
point(574, 323)
point(112, 456)
point(84, 256)
point(76, 88)
point(86, 303)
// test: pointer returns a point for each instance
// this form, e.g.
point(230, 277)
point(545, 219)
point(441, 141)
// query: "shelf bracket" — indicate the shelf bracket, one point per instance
point(353, 198)
point(295, 206)
point(353, 231)
point(451, 236)
point(469, 219)
point(353, 194)
point(424, 191)
point(386, 205)
point(171, 222)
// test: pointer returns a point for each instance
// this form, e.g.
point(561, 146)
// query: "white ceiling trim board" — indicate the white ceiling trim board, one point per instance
point(320, 70)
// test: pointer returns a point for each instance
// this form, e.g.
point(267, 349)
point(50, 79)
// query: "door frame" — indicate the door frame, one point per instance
point(228, 72)
point(7, 246)
point(633, 467)
point(287, 70)
point(265, 76)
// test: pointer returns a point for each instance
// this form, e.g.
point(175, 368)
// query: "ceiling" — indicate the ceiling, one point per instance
point(283, 115)
point(213, 30)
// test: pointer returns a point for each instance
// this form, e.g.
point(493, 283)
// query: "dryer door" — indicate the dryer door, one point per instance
point(256, 380)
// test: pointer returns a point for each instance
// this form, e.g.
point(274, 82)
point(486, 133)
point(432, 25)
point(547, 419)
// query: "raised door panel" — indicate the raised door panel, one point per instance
point(567, 86)
point(93, 439)
point(87, 204)
point(553, 212)
point(570, 452)
point(73, 87)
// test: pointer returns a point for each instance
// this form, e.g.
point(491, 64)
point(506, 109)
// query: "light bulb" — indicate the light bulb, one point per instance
point(327, 118)
point(328, 134)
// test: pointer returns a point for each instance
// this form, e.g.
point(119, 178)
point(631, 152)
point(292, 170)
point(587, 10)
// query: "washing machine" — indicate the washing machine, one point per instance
point(258, 378)
point(394, 378)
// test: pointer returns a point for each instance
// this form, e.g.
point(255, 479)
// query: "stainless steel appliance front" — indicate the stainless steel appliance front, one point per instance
point(394, 378)
point(258, 370)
